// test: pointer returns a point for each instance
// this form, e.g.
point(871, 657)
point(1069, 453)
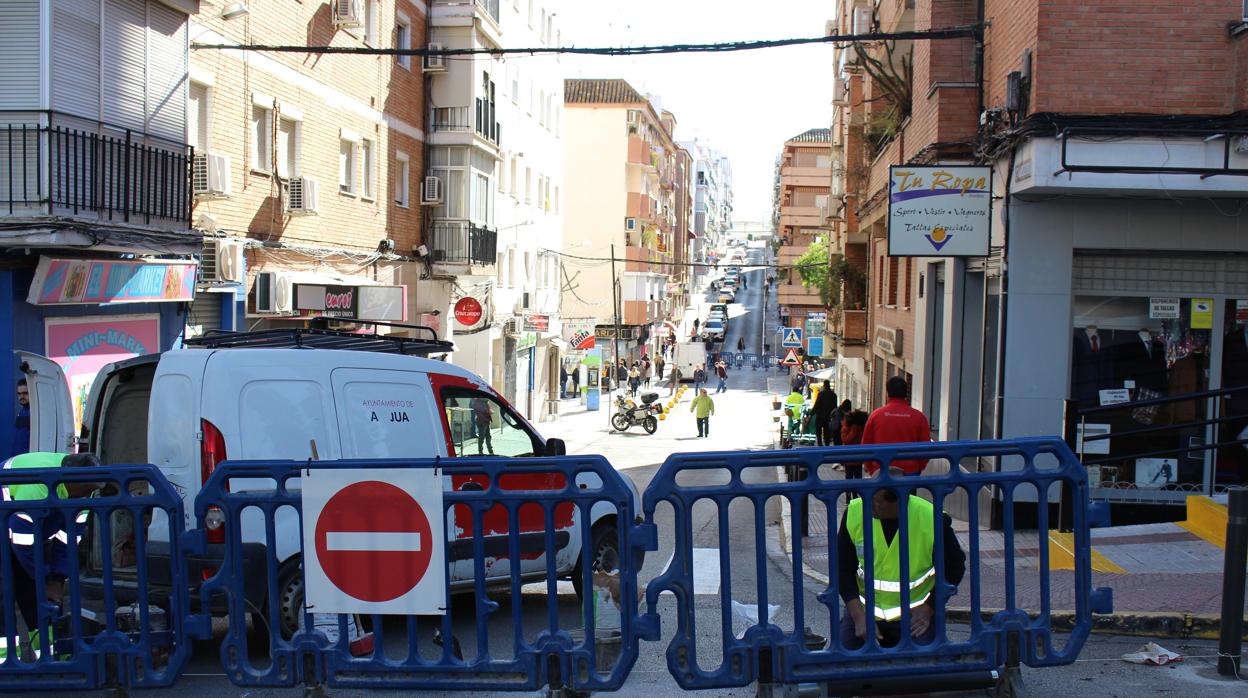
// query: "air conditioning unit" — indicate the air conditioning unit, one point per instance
point(348, 13)
point(222, 261)
point(514, 326)
point(275, 293)
point(301, 197)
point(210, 175)
point(435, 63)
point(862, 20)
point(431, 192)
point(630, 224)
point(840, 91)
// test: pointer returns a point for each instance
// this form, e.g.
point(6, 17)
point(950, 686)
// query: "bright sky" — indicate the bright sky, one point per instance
point(744, 104)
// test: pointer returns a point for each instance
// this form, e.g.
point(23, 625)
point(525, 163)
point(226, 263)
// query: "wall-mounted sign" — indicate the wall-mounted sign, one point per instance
point(468, 311)
point(1163, 308)
point(1202, 313)
point(888, 340)
point(536, 323)
point(582, 339)
point(82, 346)
point(527, 340)
point(94, 281)
point(939, 211)
point(385, 303)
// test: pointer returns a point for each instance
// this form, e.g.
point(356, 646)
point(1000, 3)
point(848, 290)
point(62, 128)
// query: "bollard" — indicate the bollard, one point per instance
point(1230, 647)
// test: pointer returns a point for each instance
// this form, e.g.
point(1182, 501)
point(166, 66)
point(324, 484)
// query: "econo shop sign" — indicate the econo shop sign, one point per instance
point(468, 311)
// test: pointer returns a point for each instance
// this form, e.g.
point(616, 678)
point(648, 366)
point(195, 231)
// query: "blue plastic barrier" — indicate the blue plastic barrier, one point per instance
point(562, 649)
point(108, 631)
point(767, 652)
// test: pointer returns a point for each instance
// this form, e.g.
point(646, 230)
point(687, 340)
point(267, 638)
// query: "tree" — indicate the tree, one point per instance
point(816, 273)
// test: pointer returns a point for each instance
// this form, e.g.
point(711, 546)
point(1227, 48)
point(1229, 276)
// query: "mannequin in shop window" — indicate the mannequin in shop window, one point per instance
point(1142, 360)
point(1091, 367)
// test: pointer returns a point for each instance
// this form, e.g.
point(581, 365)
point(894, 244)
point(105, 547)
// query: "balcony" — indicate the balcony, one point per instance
point(451, 119)
point(795, 176)
point(461, 242)
point(55, 164)
point(641, 206)
point(797, 294)
point(803, 216)
point(488, 8)
point(638, 151)
point(853, 326)
point(486, 124)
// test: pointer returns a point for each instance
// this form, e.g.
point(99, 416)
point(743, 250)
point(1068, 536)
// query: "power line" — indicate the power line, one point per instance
point(961, 32)
point(704, 265)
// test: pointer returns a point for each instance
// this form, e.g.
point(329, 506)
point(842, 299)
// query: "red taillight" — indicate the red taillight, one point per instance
point(212, 453)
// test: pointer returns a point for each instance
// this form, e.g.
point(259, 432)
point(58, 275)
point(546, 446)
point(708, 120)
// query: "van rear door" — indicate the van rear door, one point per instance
point(51, 409)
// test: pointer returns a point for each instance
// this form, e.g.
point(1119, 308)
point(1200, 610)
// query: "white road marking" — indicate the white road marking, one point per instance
point(705, 570)
point(386, 541)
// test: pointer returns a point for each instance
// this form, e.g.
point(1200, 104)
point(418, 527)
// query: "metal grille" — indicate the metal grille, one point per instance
point(1225, 274)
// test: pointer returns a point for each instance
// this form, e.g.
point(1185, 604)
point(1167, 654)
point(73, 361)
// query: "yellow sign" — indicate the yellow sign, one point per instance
point(1202, 313)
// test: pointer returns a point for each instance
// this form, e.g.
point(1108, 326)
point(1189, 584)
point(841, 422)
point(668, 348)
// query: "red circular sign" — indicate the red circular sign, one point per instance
point(373, 541)
point(468, 311)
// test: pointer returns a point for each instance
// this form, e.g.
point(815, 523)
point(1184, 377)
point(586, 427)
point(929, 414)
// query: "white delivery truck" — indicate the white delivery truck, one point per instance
point(272, 395)
point(688, 356)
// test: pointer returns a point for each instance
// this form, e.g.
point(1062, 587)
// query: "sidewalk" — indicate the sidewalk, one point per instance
point(1166, 580)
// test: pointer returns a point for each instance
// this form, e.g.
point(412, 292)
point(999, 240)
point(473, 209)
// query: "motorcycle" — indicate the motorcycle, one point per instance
point(630, 413)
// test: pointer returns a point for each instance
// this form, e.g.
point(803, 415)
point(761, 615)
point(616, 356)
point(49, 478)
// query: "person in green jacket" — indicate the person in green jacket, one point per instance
point(703, 407)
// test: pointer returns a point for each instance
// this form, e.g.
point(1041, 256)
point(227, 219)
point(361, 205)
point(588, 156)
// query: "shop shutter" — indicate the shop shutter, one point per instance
point(205, 313)
point(123, 62)
point(1156, 274)
point(166, 78)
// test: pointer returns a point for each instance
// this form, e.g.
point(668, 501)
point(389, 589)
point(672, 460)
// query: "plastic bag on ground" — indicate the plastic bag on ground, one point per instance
point(745, 616)
point(1153, 654)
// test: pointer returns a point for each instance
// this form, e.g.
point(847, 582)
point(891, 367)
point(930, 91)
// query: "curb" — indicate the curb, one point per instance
point(1142, 623)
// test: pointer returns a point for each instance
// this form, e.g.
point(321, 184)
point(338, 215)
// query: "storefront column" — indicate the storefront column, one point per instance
point(951, 360)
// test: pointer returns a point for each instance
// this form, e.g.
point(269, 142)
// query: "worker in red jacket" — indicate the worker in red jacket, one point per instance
point(897, 423)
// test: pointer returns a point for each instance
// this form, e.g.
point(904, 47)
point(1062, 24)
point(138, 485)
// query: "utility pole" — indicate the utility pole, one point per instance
point(615, 308)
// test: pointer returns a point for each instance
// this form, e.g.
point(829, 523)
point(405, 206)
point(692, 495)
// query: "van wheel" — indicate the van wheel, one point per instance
point(289, 597)
point(604, 554)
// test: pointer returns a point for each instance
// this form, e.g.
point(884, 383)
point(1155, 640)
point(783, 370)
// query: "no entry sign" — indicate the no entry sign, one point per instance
point(374, 541)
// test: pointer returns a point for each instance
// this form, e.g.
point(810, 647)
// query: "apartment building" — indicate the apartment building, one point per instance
point(307, 166)
point(1115, 256)
point(801, 205)
point(496, 229)
point(621, 165)
point(712, 206)
point(97, 251)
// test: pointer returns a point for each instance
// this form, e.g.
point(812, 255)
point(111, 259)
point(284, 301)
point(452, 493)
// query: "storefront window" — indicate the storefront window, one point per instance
point(1130, 349)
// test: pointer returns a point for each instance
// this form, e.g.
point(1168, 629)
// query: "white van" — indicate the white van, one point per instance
point(249, 396)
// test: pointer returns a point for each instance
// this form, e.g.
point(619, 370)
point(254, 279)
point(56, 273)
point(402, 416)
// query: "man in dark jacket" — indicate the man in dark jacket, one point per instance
point(825, 404)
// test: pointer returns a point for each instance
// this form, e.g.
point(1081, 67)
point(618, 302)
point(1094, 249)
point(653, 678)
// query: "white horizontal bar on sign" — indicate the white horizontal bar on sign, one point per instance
point(383, 541)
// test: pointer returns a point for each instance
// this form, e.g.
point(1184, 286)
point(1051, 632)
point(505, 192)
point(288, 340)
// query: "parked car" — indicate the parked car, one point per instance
point(188, 410)
point(713, 329)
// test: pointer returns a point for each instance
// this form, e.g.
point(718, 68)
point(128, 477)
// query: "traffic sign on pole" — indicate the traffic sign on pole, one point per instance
point(790, 358)
point(792, 337)
point(374, 541)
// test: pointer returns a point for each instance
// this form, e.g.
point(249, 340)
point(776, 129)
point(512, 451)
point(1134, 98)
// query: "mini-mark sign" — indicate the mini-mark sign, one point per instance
point(374, 541)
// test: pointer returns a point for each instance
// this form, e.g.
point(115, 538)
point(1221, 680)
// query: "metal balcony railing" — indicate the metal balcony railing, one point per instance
point(486, 124)
point(52, 163)
point(461, 242)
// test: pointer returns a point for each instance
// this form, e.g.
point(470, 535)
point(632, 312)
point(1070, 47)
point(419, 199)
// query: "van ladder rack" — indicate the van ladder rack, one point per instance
point(317, 338)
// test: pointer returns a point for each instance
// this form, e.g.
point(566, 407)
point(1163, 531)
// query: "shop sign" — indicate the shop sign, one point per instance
point(468, 311)
point(888, 340)
point(1241, 311)
point(815, 347)
point(384, 303)
point(1202, 313)
point(582, 339)
point(1163, 308)
point(82, 346)
point(536, 323)
point(1099, 447)
point(1114, 396)
point(97, 281)
point(939, 211)
point(526, 341)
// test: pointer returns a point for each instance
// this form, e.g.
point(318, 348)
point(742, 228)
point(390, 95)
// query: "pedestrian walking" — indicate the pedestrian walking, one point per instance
point(21, 423)
point(851, 435)
point(838, 420)
point(50, 535)
point(699, 377)
point(702, 408)
point(621, 375)
point(563, 381)
point(659, 365)
point(483, 417)
point(634, 379)
point(740, 343)
point(646, 368)
point(825, 405)
point(675, 379)
point(576, 381)
point(721, 372)
point(897, 423)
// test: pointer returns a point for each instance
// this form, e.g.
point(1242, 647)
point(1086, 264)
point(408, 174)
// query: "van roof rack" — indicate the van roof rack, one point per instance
point(324, 338)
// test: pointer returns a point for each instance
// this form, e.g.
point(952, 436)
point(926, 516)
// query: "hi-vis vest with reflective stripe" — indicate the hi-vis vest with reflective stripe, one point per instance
point(887, 578)
point(21, 525)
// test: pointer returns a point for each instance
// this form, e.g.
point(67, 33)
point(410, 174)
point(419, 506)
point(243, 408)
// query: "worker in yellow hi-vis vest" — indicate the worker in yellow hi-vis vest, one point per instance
point(888, 578)
point(50, 532)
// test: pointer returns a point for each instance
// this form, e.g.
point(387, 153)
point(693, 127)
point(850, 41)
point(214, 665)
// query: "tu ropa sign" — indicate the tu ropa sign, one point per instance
point(939, 211)
point(374, 541)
